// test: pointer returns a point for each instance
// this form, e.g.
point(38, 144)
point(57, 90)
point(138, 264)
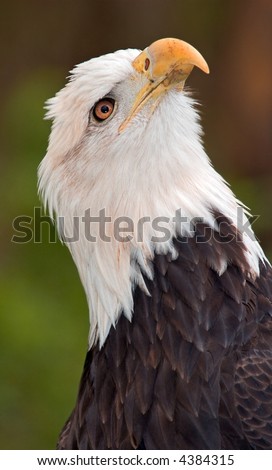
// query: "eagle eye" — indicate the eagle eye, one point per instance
point(103, 109)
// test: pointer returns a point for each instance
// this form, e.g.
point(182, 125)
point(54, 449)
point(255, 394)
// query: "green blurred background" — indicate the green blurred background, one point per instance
point(44, 318)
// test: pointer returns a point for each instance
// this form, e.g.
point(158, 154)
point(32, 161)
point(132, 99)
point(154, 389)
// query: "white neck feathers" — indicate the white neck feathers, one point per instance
point(154, 169)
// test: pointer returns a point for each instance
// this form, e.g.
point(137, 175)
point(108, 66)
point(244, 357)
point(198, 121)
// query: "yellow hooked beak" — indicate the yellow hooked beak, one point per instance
point(165, 64)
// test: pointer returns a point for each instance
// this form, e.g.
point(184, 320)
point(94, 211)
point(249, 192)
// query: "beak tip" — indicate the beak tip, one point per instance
point(166, 52)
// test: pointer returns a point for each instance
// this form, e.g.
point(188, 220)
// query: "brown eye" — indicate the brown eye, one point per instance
point(103, 109)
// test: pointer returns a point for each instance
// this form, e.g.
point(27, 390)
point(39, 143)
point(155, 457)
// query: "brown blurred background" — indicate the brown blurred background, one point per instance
point(44, 319)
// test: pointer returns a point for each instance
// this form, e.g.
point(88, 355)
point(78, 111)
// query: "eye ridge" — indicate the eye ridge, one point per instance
point(103, 109)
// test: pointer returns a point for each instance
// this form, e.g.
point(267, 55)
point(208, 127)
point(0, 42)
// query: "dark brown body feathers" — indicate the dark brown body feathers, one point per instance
point(193, 370)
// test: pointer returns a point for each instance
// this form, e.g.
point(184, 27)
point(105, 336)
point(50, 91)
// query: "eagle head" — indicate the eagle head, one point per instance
point(125, 149)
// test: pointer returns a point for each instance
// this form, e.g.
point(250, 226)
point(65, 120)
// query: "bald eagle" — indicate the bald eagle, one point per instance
point(178, 287)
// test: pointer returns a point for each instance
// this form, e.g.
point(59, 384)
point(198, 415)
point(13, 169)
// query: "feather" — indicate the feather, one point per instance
point(180, 325)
